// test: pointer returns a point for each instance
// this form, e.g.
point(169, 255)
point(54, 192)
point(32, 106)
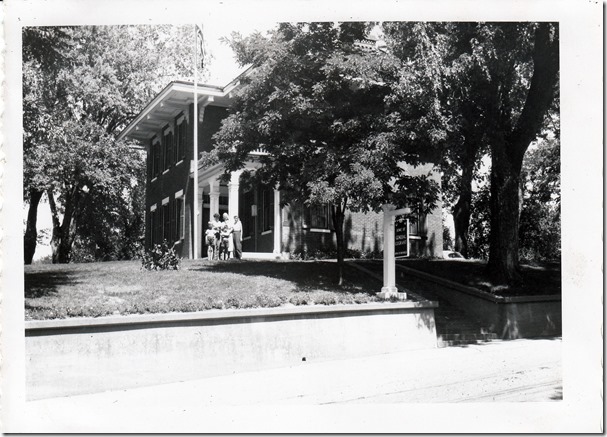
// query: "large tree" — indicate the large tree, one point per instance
point(520, 105)
point(336, 120)
point(81, 85)
point(43, 58)
point(496, 82)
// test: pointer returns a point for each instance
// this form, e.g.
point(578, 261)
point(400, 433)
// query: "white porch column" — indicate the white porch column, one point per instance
point(198, 224)
point(277, 224)
point(389, 289)
point(233, 198)
point(213, 197)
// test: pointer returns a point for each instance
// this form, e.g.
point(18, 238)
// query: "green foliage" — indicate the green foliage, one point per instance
point(447, 238)
point(335, 119)
point(490, 87)
point(540, 222)
point(81, 85)
point(329, 253)
point(480, 223)
point(160, 257)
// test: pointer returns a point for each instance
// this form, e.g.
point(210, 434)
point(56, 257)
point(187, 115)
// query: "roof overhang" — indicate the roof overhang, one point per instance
point(172, 100)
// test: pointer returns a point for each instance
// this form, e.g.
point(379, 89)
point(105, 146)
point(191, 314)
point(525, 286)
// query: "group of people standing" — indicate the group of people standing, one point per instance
point(224, 238)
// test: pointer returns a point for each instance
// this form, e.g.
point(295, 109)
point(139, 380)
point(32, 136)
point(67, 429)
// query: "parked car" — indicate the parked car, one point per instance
point(449, 254)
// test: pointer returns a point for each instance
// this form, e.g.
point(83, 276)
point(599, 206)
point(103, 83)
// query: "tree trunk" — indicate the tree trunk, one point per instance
point(461, 210)
point(31, 232)
point(338, 223)
point(65, 232)
point(56, 235)
point(503, 265)
point(507, 151)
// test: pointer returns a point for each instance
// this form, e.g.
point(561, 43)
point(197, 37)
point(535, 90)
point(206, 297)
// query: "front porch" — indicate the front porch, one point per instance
point(257, 207)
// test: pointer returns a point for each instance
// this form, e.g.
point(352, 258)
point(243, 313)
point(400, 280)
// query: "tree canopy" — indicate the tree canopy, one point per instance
point(81, 85)
point(496, 84)
point(336, 120)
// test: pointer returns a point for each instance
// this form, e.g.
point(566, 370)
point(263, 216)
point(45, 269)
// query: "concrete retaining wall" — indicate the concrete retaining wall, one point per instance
point(75, 356)
point(509, 317)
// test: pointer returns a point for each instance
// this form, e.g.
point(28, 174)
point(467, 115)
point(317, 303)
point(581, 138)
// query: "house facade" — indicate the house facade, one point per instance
point(165, 127)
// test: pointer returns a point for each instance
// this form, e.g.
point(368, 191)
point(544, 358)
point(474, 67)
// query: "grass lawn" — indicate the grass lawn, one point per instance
point(539, 279)
point(122, 287)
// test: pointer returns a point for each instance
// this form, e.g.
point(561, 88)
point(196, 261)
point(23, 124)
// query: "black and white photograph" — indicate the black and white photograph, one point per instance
point(321, 217)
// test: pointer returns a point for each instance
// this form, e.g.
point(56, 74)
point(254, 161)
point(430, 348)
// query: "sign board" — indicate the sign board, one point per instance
point(400, 236)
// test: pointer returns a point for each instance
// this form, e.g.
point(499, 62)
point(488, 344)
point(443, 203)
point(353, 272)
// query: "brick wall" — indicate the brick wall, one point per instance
point(362, 231)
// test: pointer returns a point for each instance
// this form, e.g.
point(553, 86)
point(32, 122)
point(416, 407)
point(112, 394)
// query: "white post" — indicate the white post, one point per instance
point(213, 198)
point(389, 289)
point(277, 224)
point(233, 188)
point(195, 121)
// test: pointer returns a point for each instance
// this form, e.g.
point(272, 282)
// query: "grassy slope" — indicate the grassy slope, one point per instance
point(99, 289)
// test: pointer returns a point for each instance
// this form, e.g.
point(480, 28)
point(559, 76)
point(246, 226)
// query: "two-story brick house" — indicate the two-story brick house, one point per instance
point(165, 128)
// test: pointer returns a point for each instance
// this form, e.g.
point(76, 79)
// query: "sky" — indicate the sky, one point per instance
point(222, 65)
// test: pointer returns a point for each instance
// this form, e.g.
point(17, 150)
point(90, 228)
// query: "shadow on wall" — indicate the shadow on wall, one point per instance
point(294, 216)
point(348, 236)
point(373, 245)
point(523, 321)
point(425, 320)
point(429, 249)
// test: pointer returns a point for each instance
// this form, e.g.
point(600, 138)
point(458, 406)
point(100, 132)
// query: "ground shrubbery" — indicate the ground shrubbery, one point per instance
point(160, 257)
point(330, 253)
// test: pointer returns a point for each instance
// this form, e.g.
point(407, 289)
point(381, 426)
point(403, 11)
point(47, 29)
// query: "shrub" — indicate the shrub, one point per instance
point(330, 253)
point(161, 257)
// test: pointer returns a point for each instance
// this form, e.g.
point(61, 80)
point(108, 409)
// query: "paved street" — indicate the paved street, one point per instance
point(500, 371)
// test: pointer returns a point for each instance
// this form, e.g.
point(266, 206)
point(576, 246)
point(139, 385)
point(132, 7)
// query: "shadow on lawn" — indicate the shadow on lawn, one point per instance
point(42, 284)
point(322, 275)
point(538, 278)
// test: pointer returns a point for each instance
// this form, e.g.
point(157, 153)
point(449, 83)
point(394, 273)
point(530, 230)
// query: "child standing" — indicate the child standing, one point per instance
point(210, 238)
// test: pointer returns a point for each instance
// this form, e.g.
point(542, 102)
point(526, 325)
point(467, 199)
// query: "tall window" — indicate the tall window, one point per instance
point(168, 149)
point(267, 216)
point(417, 224)
point(318, 216)
point(177, 218)
point(417, 221)
point(180, 141)
point(153, 225)
point(156, 226)
point(166, 223)
point(156, 157)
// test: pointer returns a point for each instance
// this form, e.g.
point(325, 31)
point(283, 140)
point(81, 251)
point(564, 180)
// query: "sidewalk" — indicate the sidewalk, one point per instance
point(509, 371)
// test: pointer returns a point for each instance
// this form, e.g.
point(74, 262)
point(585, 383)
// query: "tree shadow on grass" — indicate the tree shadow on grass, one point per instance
point(319, 275)
point(41, 284)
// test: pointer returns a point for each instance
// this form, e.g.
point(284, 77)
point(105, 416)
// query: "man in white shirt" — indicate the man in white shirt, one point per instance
point(237, 237)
